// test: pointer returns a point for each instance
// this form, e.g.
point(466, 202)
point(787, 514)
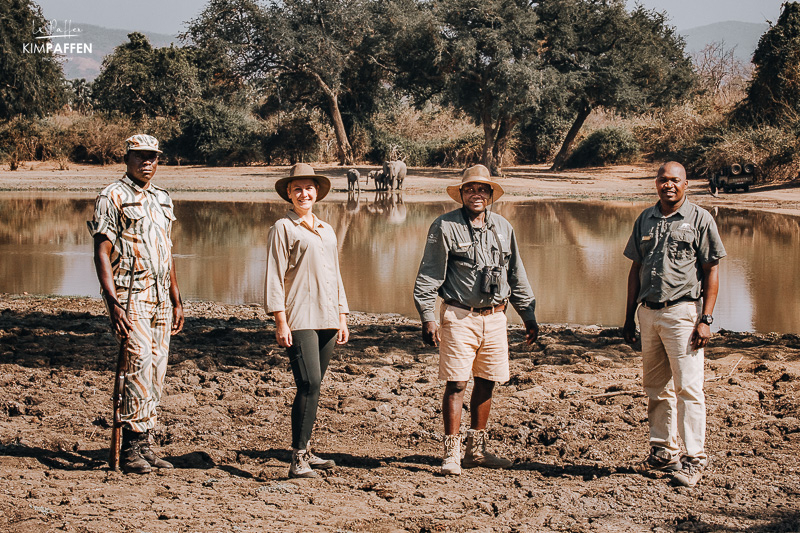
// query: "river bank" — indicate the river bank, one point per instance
point(572, 418)
point(620, 182)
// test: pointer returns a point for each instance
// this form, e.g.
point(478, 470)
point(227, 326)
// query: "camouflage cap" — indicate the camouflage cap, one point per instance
point(142, 142)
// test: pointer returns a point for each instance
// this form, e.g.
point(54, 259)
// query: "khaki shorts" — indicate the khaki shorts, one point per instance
point(471, 343)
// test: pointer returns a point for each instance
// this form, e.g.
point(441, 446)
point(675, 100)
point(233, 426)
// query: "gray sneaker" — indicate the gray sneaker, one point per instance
point(690, 474)
point(300, 467)
point(659, 460)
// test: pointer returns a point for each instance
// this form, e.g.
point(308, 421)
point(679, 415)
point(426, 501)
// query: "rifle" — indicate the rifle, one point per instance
point(119, 388)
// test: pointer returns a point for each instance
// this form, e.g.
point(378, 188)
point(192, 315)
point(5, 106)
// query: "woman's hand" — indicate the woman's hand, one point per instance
point(282, 332)
point(344, 334)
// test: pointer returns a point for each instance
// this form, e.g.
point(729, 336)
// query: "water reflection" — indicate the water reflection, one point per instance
point(572, 252)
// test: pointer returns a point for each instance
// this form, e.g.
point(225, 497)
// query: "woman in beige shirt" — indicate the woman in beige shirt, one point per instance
point(305, 294)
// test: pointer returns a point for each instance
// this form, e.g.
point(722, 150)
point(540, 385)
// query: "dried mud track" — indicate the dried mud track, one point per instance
point(225, 419)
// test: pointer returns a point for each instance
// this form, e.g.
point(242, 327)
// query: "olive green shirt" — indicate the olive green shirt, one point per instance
point(452, 264)
point(672, 251)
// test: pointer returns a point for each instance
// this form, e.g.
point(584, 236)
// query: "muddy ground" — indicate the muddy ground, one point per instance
point(572, 418)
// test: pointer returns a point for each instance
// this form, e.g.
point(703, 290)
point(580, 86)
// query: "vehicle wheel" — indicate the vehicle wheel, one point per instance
point(726, 188)
point(746, 188)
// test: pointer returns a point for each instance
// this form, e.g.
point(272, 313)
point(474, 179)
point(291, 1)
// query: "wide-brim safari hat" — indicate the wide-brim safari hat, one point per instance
point(476, 174)
point(300, 171)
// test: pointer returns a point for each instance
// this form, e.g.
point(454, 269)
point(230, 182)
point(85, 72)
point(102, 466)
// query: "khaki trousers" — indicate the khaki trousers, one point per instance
point(673, 377)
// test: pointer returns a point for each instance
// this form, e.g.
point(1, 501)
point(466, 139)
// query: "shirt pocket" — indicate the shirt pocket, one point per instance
point(462, 252)
point(133, 216)
point(681, 245)
point(137, 267)
point(169, 214)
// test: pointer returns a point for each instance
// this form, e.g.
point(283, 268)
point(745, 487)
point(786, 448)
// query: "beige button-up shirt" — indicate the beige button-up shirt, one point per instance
point(303, 277)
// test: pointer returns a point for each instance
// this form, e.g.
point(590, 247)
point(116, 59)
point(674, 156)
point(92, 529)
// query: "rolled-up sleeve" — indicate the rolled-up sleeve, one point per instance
point(432, 272)
point(106, 219)
point(521, 296)
point(277, 264)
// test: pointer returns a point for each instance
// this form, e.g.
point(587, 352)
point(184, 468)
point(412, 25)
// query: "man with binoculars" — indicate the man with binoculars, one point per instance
point(471, 260)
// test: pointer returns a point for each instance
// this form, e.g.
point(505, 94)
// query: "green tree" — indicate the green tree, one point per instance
point(311, 49)
point(611, 58)
point(481, 56)
point(31, 83)
point(142, 81)
point(773, 96)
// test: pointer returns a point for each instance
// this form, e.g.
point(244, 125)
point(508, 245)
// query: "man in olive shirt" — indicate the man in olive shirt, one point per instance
point(675, 248)
point(471, 260)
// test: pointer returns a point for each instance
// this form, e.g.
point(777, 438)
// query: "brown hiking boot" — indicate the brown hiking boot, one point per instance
point(690, 473)
point(131, 461)
point(147, 453)
point(476, 454)
point(659, 460)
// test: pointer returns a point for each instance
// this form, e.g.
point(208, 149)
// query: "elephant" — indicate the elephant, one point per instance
point(395, 172)
point(379, 177)
point(353, 176)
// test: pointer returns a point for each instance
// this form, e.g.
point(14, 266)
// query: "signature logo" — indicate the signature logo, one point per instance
point(52, 30)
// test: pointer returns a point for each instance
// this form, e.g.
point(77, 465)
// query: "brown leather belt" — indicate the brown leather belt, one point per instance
point(661, 305)
point(483, 311)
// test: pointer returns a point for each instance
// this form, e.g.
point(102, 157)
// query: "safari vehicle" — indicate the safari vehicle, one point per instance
point(732, 177)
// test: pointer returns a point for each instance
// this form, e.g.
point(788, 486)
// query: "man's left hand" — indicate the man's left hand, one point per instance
point(700, 335)
point(531, 332)
point(177, 319)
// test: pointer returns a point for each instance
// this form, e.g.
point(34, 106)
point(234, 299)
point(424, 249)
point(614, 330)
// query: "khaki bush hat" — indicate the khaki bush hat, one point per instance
point(142, 142)
point(476, 174)
point(298, 171)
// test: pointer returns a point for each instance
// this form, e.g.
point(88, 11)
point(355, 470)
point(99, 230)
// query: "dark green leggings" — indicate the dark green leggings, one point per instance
point(309, 355)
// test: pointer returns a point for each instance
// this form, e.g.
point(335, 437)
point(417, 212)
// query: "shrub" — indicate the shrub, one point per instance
point(603, 147)
point(215, 134)
point(295, 139)
point(98, 138)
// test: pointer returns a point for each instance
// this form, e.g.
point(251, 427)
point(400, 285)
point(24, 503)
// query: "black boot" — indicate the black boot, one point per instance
point(147, 452)
point(131, 460)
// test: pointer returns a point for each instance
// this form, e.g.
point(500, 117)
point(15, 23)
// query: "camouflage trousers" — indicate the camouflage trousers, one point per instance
point(148, 350)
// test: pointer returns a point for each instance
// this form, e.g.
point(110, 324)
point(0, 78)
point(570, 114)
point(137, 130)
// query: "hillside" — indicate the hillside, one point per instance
point(742, 36)
point(103, 41)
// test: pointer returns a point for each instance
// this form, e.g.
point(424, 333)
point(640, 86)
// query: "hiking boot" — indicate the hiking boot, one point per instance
point(451, 466)
point(659, 460)
point(131, 460)
point(476, 454)
point(300, 467)
point(318, 462)
point(147, 453)
point(689, 474)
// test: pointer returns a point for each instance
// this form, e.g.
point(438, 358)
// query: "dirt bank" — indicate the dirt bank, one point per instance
point(572, 418)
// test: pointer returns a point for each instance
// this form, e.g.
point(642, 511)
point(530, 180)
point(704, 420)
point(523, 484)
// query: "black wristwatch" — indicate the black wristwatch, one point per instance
point(707, 319)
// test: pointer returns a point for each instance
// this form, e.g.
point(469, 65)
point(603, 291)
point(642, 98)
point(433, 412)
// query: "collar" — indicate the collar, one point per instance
point(683, 210)
point(488, 221)
point(295, 218)
point(138, 188)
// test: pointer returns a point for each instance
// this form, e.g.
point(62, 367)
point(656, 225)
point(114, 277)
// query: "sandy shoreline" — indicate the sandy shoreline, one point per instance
point(255, 183)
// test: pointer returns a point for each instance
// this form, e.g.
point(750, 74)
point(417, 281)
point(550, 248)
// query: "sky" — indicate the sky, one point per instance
point(169, 16)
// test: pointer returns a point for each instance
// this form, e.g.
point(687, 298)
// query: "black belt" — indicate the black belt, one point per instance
point(480, 310)
point(669, 303)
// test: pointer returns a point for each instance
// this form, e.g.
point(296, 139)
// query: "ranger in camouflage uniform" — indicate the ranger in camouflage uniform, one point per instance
point(131, 229)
